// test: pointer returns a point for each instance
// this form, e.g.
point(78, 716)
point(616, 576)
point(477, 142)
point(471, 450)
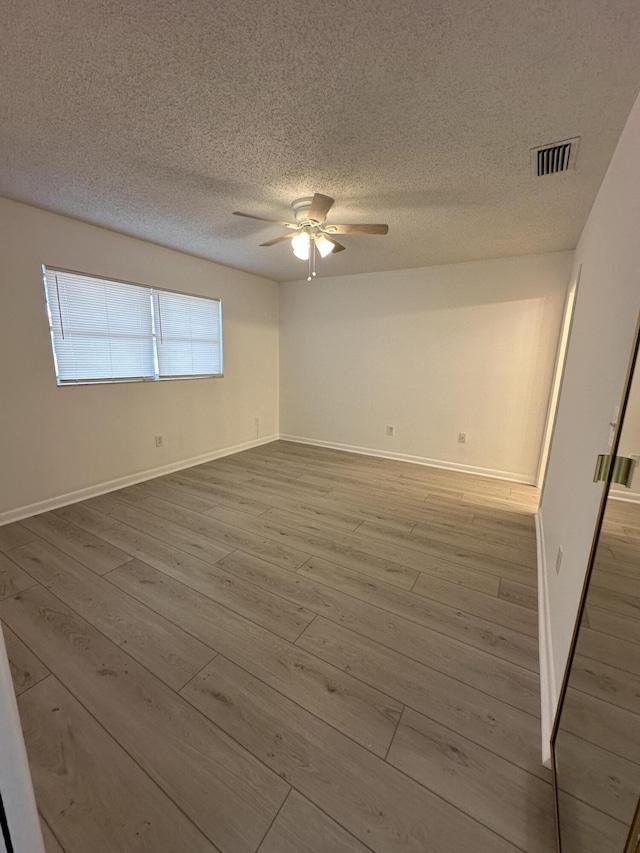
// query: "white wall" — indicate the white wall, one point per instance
point(603, 327)
point(56, 441)
point(434, 352)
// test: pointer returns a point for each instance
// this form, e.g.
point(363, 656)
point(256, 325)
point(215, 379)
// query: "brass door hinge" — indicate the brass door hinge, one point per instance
point(623, 467)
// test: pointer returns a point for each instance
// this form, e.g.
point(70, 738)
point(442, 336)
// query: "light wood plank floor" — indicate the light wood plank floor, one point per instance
point(289, 650)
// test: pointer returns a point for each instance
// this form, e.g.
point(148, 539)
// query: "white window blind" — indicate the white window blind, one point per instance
point(188, 335)
point(102, 330)
point(110, 331)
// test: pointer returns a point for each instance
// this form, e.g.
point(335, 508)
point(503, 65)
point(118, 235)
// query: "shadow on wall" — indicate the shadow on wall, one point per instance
point(440, 288)
point(435, 351)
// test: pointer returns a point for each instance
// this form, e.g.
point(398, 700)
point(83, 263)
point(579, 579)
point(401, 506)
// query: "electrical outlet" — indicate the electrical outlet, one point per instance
point(159, 441)
point(559, 559)
point(462, 437)
point(391, 430)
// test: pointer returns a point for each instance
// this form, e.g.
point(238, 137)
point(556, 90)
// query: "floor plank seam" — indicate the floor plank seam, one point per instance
point(405, 565)
point(395, 731)
point(380, 607)
point(275, 817)
point(298, 705)
point(173, 545)
point(35, 683)
point(613, 636)
point(295, 642)
point(122, 648)
point(7, 554)
point(177, 547)
point(425, 549)
point(195, 674)
point(150, 778)
point(204, 595)
point(422, 712)
point(411, 658)
point(240, 666)
point(358, 745)
point(42, 818)
point(471, 613)
point(599, 698)
point(332, 819)
point(421, 624)
point(310, 557)
point(460, 681)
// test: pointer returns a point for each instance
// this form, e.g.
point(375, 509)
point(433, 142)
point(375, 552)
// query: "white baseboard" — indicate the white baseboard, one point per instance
point(625, 497)
point(548, 692)
point(416, 460)
point(122, 482)
point(130, 480)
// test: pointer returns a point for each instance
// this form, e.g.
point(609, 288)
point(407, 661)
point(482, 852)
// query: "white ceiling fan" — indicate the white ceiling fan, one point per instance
point(310, 233)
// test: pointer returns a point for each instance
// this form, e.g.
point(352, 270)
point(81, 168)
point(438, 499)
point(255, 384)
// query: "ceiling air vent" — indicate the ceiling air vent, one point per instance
point(558, 157)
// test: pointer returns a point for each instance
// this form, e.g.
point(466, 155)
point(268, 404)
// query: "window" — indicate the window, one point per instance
point(112, 331)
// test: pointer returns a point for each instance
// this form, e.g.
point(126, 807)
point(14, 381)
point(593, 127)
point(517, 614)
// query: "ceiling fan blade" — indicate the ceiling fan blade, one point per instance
point(337, 247)
point(320, 206)
point(278, 240)
point(358, 229)
point(262, 219)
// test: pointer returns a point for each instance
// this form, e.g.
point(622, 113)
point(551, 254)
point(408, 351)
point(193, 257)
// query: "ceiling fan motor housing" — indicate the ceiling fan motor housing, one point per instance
point(301, 208)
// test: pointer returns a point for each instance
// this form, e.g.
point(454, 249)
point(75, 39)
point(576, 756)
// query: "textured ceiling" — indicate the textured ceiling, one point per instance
point(158, 119)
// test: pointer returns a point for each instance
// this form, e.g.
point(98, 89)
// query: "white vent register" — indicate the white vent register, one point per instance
point(554, 158)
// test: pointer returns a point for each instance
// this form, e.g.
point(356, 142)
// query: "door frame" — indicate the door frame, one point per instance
point(558, 377)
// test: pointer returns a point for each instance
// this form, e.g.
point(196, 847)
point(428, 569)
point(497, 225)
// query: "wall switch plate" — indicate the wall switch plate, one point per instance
point(462, 437)
point(559, 559)
point(391, 430)
point(159, 441)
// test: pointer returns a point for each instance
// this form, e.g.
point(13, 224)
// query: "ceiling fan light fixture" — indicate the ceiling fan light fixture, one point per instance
point(325, 246)
point(312, 235)
point(301, 244)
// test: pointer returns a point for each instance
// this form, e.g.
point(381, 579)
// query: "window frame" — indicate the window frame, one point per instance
point(155, 336)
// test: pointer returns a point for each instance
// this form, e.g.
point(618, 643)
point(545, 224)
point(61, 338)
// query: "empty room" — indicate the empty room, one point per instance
point(320, 428)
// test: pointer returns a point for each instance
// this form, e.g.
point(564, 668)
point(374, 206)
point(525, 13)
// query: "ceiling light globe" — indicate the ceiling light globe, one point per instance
point(325, 246)
point(300, 245)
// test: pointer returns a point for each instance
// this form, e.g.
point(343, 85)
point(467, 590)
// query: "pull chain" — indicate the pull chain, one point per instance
point(312, 260)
